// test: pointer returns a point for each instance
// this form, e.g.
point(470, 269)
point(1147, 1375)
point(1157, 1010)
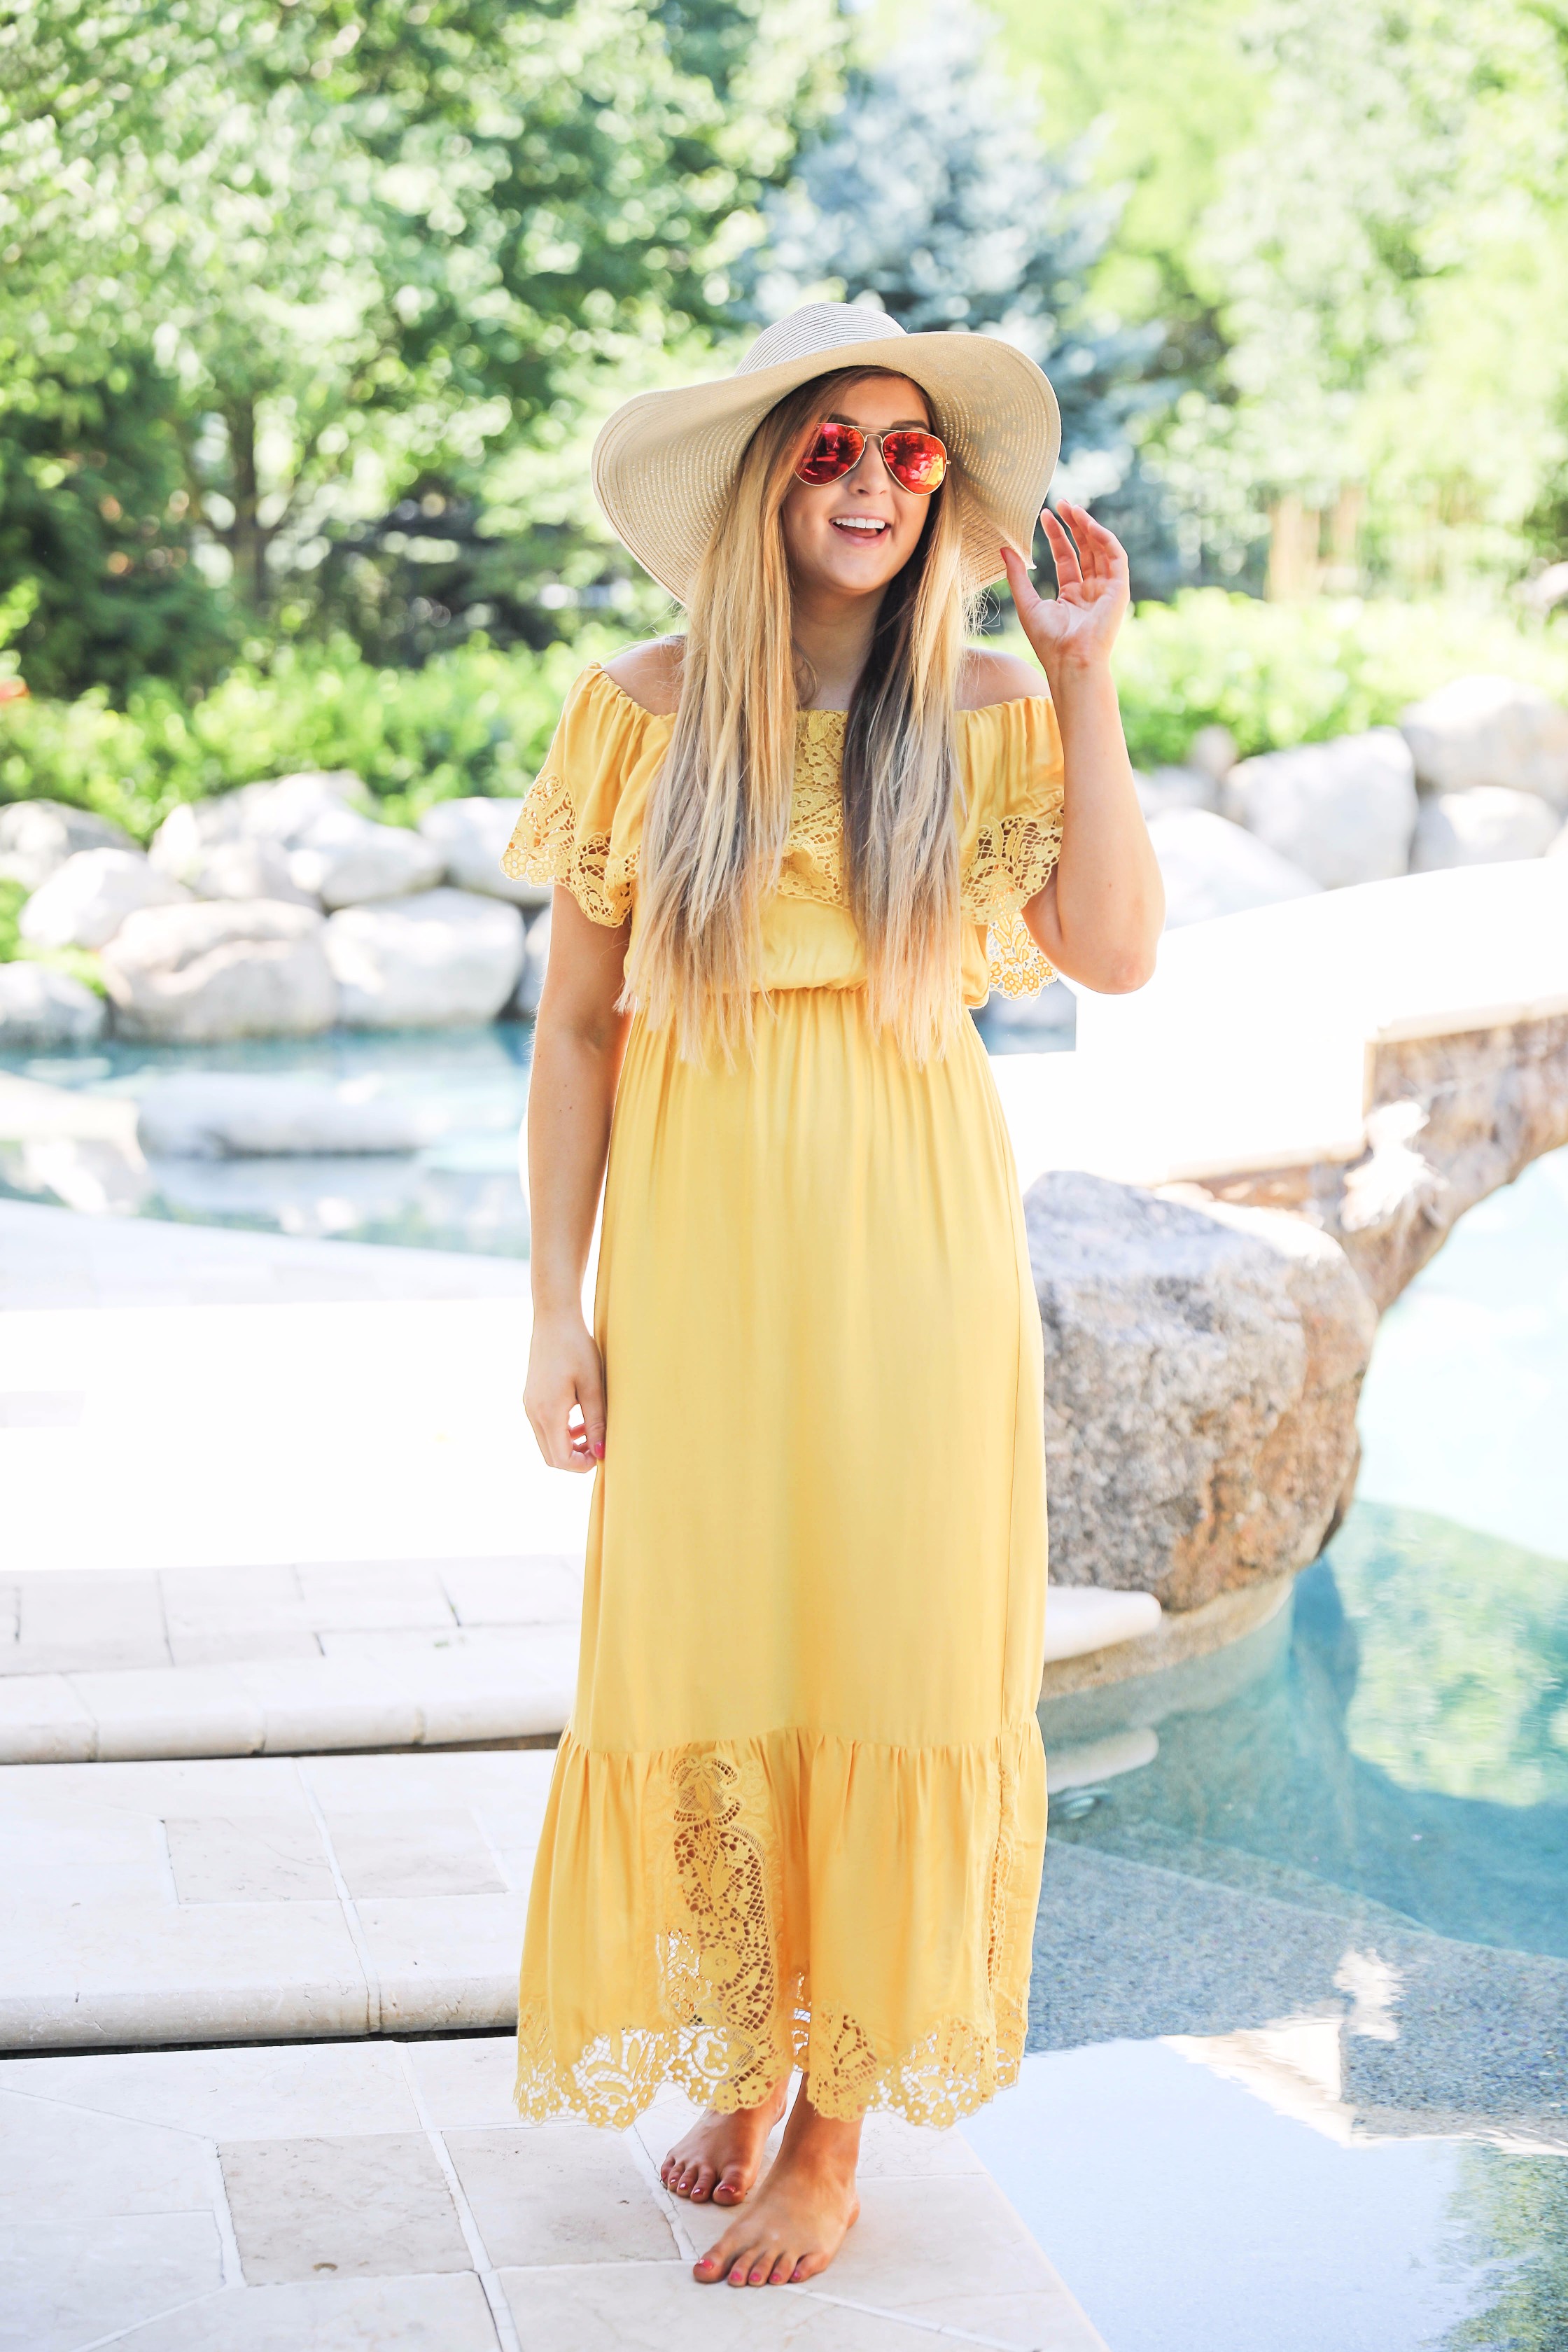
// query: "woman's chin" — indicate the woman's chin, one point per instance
point(849, 571)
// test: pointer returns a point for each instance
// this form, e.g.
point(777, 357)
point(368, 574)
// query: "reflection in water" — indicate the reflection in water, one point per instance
point(1346, 1877)
point(461, 1192)
point(1510, 2214)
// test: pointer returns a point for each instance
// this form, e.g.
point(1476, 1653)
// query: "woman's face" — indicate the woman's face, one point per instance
point(852, 536)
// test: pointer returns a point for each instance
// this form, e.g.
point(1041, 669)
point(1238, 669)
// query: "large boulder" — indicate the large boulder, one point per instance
point(1203, 1365)
point(1160, 789)
point(40, 1008)
point(281, 812)
point(470, 837)
point(37, 836)
point(1485, 826)
point(218, 969)
point(85, 901)
point(211, 1114)
point(345, 860)
point(245, 869)
point(1342, 811)
point(1214, 867)
point(425, 962)
point(1490, 730)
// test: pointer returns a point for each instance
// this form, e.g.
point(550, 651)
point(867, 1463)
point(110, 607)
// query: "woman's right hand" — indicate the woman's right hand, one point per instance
point(565, 1376)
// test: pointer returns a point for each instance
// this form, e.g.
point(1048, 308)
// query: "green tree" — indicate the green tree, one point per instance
point(363, 248)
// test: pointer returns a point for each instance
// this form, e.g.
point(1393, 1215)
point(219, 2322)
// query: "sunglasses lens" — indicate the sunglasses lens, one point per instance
point(917, 461)
point(834, 450)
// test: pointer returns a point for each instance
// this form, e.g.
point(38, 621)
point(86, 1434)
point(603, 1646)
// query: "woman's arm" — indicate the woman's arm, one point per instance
point(578, 1041)
point(1099, 917)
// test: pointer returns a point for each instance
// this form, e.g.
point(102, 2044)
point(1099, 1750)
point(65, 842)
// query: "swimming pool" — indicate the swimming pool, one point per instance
point(1298, 2032)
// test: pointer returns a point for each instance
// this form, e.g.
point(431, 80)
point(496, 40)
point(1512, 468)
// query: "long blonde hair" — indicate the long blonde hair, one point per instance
point(718, 817)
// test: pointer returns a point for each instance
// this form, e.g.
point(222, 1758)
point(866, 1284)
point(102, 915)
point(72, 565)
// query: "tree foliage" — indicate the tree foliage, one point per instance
point(354, 250)
point(934, 191)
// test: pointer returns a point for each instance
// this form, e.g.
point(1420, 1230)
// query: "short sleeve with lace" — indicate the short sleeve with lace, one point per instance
point(1012, 757)
point(582, 818)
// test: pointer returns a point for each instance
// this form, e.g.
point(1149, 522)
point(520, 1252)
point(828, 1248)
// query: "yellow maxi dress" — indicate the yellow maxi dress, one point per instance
point(798, 1815)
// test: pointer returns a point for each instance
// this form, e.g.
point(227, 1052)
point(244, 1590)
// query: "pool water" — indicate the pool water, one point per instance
point(1299, 2028)
point(461, 1192)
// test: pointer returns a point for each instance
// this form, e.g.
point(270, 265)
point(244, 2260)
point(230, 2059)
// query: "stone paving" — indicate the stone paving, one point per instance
point(268, 1897)
point(383, 2198)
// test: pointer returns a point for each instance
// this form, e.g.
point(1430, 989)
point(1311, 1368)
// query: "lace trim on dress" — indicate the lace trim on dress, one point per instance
point(546, 846)
point(734, 2021)
point(1013, 858)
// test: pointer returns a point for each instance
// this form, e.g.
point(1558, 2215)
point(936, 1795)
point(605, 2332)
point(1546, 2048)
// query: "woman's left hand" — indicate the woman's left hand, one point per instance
point(1076, 628)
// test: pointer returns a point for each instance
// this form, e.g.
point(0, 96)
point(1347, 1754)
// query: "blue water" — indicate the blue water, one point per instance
point(459, 1193)
point(1297, 2078)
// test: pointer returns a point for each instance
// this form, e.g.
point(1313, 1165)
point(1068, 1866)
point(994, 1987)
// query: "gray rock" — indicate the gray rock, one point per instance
point(1203, 1365)
point(219, 968)
point(1342, 811)
point(1159, 789)
point(37, 836)
point(245, 869)
point(425, 962)
point(1214, 867)
point(344, 860)
point(85, 901)
point(1484, 825)
point(1490, 730)
point(1214, 752)
point(470, 835)
point(281, 812)
point(40, 1008)
point(1453, 1118)
point(535, 956)
point(205, 1114)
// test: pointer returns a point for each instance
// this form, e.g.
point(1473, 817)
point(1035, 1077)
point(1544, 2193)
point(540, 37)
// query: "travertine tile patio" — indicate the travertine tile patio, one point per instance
point(383, 2198)
point(221, 1901)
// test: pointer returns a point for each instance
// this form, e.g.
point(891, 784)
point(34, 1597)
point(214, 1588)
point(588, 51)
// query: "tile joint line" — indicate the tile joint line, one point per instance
point(494, 2292)
point(375, 2022)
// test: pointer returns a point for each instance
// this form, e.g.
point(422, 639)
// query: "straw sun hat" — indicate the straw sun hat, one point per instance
point(664, 462)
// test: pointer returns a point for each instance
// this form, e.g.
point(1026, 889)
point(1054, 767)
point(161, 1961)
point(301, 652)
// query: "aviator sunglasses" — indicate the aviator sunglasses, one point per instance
point(916, 459)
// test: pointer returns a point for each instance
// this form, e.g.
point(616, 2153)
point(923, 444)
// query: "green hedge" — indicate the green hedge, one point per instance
point(1283, 674)
point(478, 721)
point(475, 721)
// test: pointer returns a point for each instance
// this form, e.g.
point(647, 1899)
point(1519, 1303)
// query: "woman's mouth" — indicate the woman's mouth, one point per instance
point(861, 526)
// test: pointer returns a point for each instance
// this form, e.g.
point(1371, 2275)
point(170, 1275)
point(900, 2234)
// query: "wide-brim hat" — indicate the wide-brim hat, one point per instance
point(665, 462)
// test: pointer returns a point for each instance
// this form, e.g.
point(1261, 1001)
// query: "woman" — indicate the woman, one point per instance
point(798, 1817)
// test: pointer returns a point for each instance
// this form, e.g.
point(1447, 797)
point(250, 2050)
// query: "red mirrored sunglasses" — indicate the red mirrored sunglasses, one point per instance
point(916, 460)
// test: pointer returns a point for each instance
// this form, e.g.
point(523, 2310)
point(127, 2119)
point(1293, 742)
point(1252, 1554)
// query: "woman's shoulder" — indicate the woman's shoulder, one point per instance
point(649, 675)
point(986, 679)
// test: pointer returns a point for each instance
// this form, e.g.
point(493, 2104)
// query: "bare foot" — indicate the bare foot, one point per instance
point(803, 2212)
point(721, 2156)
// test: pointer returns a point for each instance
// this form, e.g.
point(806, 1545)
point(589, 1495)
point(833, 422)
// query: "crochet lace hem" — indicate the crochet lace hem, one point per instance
point(726, 2015)
point(957, 2069)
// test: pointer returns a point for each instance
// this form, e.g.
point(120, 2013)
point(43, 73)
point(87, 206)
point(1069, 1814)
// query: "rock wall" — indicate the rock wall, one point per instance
point(1454, 1118)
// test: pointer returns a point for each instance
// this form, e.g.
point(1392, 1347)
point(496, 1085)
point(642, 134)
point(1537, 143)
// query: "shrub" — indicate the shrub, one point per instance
point(1283, 674)
point(478, 720)
point(473, 721)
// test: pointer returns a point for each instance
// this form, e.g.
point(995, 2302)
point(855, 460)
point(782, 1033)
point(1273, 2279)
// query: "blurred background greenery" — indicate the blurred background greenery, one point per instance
point(309, 310)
